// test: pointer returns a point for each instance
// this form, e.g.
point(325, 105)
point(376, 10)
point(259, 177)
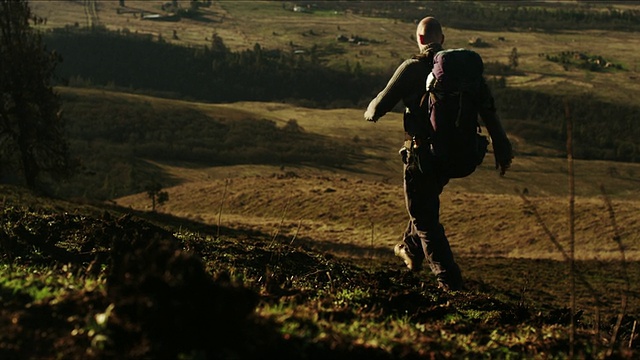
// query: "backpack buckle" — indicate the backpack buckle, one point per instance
point(416, 142)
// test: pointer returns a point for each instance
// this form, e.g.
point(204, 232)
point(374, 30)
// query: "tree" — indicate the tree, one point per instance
point(217, 45)
point(156, 195)
point(513, 58)
point(33, 148)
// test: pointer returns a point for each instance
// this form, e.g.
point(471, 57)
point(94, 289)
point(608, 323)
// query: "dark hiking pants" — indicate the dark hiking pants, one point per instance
point(425, 236)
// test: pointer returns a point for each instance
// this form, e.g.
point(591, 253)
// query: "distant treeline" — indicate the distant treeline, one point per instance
point(492, 15)
point(98, 58)
point(602, 131)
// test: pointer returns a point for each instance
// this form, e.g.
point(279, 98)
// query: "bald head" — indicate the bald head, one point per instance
point(429, 31)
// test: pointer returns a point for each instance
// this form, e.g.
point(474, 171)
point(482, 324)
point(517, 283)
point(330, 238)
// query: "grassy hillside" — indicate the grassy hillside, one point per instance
point(105, 282)
point(278, 243)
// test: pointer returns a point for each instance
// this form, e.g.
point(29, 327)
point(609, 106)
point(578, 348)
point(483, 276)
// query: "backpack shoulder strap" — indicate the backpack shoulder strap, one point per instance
point(426, 105)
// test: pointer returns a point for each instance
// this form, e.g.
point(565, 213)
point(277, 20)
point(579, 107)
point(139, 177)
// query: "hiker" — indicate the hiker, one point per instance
point(425, 236)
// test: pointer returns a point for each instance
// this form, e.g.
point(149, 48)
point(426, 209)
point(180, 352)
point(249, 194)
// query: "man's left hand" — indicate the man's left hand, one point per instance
point(503, 165)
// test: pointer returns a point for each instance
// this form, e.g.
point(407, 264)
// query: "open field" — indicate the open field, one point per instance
point(340, 209)
point(274, 26)
point(485, 214)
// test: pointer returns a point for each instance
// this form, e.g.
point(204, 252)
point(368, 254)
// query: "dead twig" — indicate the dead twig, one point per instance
point(625, 274)
point(295, 235)
point(560, 248)
point(284, 214)
point(224, 194)
point(572, 236)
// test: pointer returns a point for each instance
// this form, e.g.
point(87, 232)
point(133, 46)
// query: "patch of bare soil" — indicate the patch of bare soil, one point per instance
point(169, 296)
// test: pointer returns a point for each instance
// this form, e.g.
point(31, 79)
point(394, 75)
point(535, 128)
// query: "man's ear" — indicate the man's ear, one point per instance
point(421, 39)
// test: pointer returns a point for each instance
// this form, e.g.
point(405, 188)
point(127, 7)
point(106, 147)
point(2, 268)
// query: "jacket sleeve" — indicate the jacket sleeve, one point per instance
point(397, 89)
point(501, 145)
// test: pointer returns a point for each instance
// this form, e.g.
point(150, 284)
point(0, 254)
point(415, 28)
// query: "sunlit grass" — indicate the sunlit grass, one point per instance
point(42, 282)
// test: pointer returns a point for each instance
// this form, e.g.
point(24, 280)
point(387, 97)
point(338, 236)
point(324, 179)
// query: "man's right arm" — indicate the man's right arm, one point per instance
point(397, 88)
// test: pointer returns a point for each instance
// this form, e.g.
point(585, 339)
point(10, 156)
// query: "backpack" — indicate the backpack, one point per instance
point(452, 110)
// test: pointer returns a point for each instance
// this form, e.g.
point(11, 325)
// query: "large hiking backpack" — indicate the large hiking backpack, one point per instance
point(452, 104)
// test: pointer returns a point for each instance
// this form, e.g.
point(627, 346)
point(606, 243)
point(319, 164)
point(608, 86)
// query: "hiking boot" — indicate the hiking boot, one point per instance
point(446, 287)
point(401, 251)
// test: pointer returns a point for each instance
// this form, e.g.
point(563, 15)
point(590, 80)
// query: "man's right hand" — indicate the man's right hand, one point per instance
point(370, 115)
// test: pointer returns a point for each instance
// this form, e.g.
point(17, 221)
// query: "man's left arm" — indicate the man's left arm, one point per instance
point(502, 149)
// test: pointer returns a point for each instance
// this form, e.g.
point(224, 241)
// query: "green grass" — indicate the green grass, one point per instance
point(41, 283)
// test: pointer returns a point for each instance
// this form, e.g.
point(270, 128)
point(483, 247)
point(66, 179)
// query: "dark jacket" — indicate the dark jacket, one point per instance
point(408, 84)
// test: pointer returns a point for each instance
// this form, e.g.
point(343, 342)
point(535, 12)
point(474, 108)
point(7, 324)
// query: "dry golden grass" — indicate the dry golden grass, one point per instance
point(345, 209)
point(484, 213)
